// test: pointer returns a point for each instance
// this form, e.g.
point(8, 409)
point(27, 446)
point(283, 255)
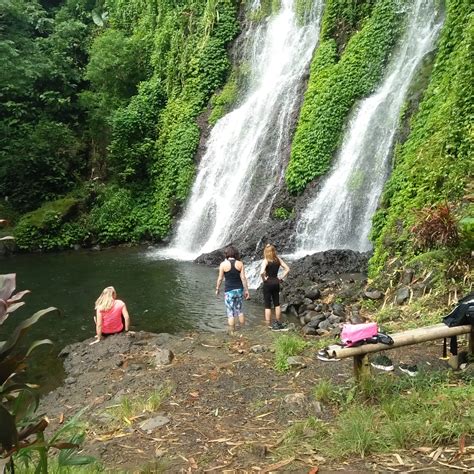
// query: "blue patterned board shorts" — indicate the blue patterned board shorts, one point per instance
point(233, 302)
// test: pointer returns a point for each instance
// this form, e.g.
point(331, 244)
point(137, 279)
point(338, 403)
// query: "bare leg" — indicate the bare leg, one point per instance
point(268, 316)
point(278, 313)
point(241, 319)
point(231, 322)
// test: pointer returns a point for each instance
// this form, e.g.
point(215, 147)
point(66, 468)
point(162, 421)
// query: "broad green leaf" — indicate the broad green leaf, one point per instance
point(26, 403)
point(36, 344)
point(97, 18)
point(22, 328)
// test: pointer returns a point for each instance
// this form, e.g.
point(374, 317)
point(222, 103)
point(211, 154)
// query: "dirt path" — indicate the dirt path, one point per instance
point(223, 406)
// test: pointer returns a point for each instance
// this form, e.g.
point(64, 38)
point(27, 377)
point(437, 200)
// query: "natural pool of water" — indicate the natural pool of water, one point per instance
point(161, 295)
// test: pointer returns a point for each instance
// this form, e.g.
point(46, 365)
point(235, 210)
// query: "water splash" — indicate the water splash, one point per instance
point(340, 214)
point(244, 160)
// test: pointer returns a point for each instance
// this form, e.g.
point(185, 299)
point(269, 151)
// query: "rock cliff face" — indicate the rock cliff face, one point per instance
point(322, 290)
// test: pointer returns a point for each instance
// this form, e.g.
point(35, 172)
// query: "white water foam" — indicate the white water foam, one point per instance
point(244, 159)
point(340, 215)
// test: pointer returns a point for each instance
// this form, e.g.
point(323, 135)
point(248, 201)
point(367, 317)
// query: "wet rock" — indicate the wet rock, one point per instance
point(313, 293)
point(419, 289)
point(324, 325)
point(316, 319)
point(357, 319)
point(163, 339)
point(292, 311)
point(333, 319)
point(338, 309)
point(307, 317)
point(402, 295)
point(153, 423)
point(407, 276)
point(296, 362)
point(163, 357)
point(373, 295)
point(309, 330)
point(213, 258)
point(291, 327)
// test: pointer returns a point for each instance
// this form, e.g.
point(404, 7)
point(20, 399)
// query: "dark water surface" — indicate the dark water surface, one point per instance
point(161, 296)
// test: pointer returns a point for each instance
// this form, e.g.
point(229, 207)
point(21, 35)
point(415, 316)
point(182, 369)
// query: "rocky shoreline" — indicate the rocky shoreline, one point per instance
point(201, 402)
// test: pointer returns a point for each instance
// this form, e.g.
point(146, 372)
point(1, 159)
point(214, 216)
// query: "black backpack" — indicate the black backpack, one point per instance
point(461, 315)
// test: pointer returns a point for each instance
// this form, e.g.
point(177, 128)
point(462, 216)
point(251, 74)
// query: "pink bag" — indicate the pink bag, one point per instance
point(352, 334)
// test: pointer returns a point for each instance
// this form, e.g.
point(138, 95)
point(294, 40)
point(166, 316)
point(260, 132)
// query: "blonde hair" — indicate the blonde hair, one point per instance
point(270, 254)
point(106, 300)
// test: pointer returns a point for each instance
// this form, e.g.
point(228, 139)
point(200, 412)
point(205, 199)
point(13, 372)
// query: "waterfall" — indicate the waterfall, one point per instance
point(340, 214)
point(244, 159)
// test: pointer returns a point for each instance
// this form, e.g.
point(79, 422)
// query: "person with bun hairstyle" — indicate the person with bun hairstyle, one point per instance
point(235, 288)
point(271, 285)
point(111, 314)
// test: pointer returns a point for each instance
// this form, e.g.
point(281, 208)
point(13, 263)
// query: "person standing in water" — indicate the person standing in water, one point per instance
point(235, 288)
point(111, 314)
point(271, 284)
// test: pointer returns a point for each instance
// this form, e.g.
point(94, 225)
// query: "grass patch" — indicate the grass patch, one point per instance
point(286, 346)
point(386, 413)
point(355, 433)
point(129, 408)
point(325, 391)
point(303, 434)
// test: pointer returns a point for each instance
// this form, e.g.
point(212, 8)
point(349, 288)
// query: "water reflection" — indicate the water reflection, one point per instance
point(162, 296)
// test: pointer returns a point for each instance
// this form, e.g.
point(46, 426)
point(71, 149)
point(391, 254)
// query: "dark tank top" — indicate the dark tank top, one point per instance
point(232, 278)
point(272, 269)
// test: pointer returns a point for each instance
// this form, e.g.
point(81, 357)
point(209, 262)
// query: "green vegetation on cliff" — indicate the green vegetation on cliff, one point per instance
point(340, 74)
point(43, 54)
point(102, 104)
point(433, 167)
point(151, 70)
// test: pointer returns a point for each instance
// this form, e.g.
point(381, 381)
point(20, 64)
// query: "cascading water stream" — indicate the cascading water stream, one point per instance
point(340, 214)
point(243, 162)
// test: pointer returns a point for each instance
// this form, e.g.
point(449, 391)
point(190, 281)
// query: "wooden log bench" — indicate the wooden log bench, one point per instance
point(400, 339)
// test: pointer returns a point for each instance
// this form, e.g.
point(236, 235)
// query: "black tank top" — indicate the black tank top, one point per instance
point(272, 269)
point(232, 278)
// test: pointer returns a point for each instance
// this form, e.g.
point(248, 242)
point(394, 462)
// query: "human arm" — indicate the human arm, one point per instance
point(243, 277)
point(98, 325)
point(219, 278)
point(286, 269)
point(126, 317)
point(263, 270)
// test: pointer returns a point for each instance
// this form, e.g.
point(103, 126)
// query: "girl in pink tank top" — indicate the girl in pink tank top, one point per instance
point(111, 314)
